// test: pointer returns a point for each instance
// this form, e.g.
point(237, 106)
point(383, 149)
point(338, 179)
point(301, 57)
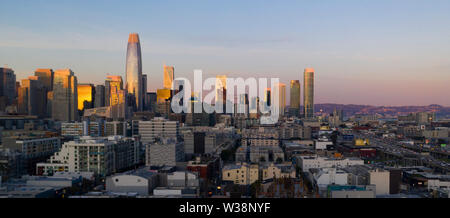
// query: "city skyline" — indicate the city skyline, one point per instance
point(287, 99)
point(373, 61)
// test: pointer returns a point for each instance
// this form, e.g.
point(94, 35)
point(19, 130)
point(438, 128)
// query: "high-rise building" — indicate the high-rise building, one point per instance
point(221, 90)
point(99, 100)
point(7, 87)
point(151, 101)
point(112, 85)
point(308, 93)
point(144, 92)
point(158, 127)
point(282, 97)
point(115, 96)
point(31, 98)
point(169, 73)
point(294, 107)
point(134, 72)
point(46, 77)
point(86, 96)
point(65, 96)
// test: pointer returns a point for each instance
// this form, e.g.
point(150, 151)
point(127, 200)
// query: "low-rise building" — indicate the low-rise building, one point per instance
point(164, 152)
point(141, 181)
point(240, 173)
point(308, 162)
point(277, 171)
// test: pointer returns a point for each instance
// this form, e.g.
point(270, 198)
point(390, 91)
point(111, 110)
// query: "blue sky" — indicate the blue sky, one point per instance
point(380, 52)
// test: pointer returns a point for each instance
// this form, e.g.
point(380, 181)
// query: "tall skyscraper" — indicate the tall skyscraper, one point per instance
point(282, 97)
point(46, 77)
point(99, 96)
point(134, 72)
point(7, 87)
point(308, 93)
point(112, 85)
point(151, 101)
point(31, 96)
point(65, 96)
point(221, 91)
point(169, 75)
point(294, 107)
point(86, 96)
point(115, 96)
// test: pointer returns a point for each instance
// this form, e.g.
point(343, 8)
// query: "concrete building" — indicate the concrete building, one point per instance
point(322, 177)
point(141, 181)
point(380, 178)
point(182, 179)
point(277, 171)
point(115, 128)
point(240, 173)
point(85, 128)
point(261, 136)
point(158, 127)
point(293, 131)
point(308, 162)
point(164, 152)
point(65, 96)
point(33, 149)
point(100, 155)
point(322, 144)
point(196, 142)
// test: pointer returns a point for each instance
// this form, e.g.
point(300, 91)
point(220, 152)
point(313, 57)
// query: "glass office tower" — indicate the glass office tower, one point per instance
point(134, 72)
point(308, 93)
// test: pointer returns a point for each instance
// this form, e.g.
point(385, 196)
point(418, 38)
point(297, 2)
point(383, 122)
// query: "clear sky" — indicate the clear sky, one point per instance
point(383, 52)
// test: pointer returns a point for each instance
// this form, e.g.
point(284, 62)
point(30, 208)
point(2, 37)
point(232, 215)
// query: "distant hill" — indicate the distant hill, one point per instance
point(352, 109)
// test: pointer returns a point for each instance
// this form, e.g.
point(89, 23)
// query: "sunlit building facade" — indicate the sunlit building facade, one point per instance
point(282, 97)
point(308, 93)
point(86, 96)
point(134, 72)
point(169, 73)
point(294, 107)
point(65, 96)
point(221, 89)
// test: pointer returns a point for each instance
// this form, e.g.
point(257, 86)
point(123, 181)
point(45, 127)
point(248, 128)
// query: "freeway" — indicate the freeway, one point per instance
point(396, 148)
